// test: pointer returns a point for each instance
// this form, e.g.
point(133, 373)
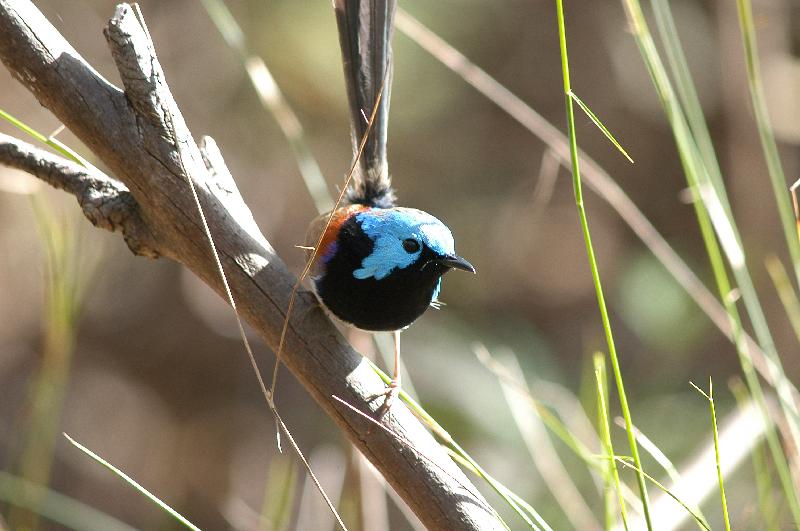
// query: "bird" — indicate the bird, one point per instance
point(376, 266)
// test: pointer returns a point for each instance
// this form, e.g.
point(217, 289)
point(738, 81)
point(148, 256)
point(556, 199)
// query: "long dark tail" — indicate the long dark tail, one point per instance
point(365, 34)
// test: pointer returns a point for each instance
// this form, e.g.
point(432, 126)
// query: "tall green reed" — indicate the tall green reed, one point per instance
point(577, 186)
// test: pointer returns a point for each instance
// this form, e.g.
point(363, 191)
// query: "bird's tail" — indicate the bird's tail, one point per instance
point(365, 34)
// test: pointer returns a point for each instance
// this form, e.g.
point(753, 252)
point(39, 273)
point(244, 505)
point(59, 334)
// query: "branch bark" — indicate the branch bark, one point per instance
point(105, 202)
point(141, 137)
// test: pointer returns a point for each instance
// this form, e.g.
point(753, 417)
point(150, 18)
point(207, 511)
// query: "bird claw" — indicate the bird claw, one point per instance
point(390, 393)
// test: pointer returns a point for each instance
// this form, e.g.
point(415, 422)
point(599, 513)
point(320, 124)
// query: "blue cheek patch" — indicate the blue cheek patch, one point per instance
point(388, 228)
point(387, 255)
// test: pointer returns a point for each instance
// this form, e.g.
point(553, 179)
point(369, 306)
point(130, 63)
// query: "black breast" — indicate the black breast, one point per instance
point(391, 303)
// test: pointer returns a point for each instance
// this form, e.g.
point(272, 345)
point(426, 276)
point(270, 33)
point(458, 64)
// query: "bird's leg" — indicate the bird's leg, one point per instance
point(394, 386)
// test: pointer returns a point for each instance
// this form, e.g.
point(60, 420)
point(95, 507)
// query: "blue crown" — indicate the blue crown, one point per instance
point(389, 228)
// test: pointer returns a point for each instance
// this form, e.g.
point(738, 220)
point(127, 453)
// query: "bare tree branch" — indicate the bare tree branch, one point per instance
point(142, 138)
point(105, 202)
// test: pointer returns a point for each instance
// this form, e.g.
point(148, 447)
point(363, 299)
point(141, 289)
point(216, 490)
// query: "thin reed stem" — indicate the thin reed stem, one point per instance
point(612, 350)
point(710, 397)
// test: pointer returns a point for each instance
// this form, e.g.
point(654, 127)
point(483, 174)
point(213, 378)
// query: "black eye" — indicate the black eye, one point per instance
point(411, 245)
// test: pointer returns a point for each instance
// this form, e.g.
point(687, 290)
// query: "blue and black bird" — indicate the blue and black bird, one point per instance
point(378, 266)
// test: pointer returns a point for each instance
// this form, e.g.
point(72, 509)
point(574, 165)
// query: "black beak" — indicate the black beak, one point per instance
point(456, 262)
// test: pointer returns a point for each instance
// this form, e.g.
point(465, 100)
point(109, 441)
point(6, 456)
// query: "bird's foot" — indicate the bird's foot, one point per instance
point(390, 394)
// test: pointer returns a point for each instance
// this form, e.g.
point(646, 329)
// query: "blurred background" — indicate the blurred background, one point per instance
point(141, 362)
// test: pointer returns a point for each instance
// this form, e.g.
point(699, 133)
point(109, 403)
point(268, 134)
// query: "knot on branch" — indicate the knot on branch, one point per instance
point(106, 202)
point(109, 205)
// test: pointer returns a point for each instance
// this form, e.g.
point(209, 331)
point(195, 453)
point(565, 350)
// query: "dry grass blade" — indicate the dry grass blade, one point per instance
point(786, 293)
point(313, 256)
point(541, 449)
point(545, 183)
point(400, 437)
point(718, 228)
point(273, 100)
point(308, 467)
point(330, 464)
point(793, 191)
point(268, 395)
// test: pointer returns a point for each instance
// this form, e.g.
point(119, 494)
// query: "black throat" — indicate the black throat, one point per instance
point(391, 303)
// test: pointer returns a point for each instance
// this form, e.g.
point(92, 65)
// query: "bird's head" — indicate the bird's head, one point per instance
point(406, 238)
point(380, 268)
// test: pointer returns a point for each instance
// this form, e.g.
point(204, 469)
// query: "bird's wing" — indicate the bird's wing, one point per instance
point(316, 228)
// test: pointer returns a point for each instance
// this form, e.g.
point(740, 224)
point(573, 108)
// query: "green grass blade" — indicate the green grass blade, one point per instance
point(550, 420)
point(710, 397)
point(664, 489)
point(596, 121)
point(601, 386)
point(63, 510)
point(661, 458)
point(48, 140)
point(611, 486)
point(767, 504)
point(576, 180)
point(654, 451)
point(279, 494)
point(130, 481)
point(227, 26)
point(501, 489)
point(768, 144)
point(274, 101)
point(610, 191)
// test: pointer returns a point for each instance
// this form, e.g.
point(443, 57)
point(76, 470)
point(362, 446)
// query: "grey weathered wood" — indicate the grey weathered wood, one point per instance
point(142, 138)
point(105, 202)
